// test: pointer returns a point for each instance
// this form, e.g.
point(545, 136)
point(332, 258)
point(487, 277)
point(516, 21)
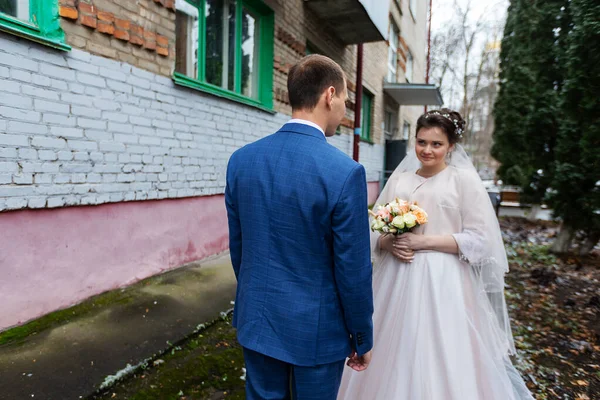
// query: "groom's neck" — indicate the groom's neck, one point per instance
point(310, 116)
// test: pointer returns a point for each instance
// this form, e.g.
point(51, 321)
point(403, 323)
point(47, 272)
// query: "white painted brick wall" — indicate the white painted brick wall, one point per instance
point(371, 156)
point(79, 129)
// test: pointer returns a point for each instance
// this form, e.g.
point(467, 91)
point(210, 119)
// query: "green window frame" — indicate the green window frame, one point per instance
point(42, 25)
point(366, 116)
point(262, 81)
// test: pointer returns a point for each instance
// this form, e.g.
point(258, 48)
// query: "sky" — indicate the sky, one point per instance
point(443, 10)
point(494, 12)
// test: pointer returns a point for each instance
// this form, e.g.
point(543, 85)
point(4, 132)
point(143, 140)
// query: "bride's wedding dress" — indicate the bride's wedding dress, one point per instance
point(440, 323)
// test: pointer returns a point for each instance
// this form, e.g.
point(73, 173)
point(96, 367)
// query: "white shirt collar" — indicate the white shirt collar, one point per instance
point(305, 122)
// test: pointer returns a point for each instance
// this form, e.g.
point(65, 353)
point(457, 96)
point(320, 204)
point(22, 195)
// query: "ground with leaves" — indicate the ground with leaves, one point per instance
point(555, 308)
point(554, 303)
point(206, 366)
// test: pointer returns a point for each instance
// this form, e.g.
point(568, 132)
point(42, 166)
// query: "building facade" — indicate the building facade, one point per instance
point(117, 119)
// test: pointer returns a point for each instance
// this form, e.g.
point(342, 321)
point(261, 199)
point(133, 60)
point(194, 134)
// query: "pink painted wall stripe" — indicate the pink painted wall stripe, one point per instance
point(51, 259)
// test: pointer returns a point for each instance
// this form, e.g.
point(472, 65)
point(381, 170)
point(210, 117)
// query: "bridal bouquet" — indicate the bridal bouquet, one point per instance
point(397, 217)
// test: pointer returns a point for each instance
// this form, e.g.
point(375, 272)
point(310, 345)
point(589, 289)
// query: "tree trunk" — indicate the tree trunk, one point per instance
point(533, 213)
point(589, 243)
point(563, 240)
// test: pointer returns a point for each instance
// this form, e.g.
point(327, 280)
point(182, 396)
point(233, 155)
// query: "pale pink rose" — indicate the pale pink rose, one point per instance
point(384, 213)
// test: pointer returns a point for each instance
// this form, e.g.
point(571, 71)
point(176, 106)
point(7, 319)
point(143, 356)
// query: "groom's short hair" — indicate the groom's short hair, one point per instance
point(310, 77)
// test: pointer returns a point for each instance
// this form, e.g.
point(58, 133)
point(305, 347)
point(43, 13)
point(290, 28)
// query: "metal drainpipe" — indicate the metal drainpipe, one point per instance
point(358, 102)
point(429, 45)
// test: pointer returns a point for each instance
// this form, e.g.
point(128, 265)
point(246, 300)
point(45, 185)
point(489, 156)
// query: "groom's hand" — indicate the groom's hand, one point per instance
point(359, 363)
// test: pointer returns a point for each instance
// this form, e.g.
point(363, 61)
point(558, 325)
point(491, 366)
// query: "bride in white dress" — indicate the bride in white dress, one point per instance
point(441, 326)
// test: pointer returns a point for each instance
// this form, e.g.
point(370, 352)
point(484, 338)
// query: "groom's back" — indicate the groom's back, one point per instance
point(285, 188)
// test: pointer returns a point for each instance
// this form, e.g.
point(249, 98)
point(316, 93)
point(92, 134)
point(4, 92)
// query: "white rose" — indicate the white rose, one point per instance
point(398, 222)
point(409, 220)
point(373, 224)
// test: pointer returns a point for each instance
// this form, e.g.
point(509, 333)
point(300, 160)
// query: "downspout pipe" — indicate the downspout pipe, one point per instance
point(429, 45)
point(358, 102)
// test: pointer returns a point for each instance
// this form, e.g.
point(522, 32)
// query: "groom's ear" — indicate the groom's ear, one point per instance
point(329, 95)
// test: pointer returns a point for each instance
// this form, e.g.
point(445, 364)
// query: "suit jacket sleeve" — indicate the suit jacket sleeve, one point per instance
point(352, 258)
point(235, 230)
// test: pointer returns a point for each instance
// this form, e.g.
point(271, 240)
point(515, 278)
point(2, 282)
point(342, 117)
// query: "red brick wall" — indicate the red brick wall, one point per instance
point(139, 32)
point(295, 26)
point(142, 33)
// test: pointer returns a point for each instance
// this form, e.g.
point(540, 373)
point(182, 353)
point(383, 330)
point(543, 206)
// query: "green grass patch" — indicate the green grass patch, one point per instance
point(95, 304)
point(206, 366)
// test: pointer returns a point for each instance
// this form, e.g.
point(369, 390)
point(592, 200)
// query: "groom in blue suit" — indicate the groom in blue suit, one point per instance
point(299, 242)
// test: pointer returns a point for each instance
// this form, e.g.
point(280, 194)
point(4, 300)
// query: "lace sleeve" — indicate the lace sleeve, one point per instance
point(473, 239)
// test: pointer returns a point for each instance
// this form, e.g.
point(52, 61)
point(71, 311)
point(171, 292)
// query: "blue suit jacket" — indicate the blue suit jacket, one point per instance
point(299, 243)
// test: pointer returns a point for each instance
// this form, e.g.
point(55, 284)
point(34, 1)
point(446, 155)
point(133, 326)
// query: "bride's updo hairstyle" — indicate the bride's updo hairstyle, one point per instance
point(450, 122)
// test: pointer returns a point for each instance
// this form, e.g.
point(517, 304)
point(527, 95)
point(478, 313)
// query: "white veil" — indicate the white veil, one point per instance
point(482, 248)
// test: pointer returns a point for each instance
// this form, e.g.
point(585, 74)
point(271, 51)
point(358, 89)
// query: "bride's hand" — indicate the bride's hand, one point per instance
point(410, 241)
point(403, 253)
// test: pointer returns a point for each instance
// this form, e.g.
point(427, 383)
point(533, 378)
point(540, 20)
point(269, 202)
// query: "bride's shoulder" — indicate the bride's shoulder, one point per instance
point(466, 176)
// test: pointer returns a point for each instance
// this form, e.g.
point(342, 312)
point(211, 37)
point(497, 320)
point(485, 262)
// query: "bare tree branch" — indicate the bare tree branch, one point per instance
point(465, 66)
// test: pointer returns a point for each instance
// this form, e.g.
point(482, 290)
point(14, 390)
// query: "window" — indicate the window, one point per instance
point(389, 124)
point(365, 116)
point(406, 131)
point(409, 66)
point(37, 20)
point(225, 47)
point(412, 5)
point(186, 48)
point(392, 75)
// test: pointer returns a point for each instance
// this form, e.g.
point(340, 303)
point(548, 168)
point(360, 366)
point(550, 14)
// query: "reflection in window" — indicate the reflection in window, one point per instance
point(15, 8)
point(220, 43)
point(390, 121)
point(412, 5)
point(249, 54)
point(393, 53)
point(406, 131)
point(365, 115)
point(409, 67)
point(187, 40)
